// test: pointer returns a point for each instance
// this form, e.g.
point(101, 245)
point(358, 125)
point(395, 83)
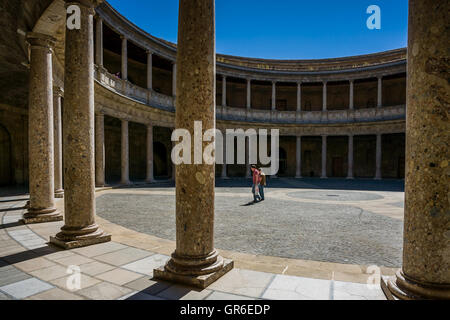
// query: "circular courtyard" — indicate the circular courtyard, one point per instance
point(322, 225)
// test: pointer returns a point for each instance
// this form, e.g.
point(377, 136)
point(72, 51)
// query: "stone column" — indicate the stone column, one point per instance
point(57, 141)
point(299, 96)
point(195, 261)
point(378, 158)
point(380, 92)
point(324, 96)
point(125, 166)
point(274, 95)
point(224, 165)
point(100, 150)
point(224, 91)
point(124, 58)
point(350, 157)
point(79, 227)
point(99, 42)
point(150, 177)
point(352, 96)
point(249, 94)
point(324, 157)
point(425, 273)
point(298, 173)
point(149, 70)
point(40, 132)
point(174, 79)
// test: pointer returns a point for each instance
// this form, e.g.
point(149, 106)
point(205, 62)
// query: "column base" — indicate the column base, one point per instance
point(42, 216)
point(401, 288)
point(59, 194)
point(298, 177)
point(201, 281)
point(323, 177)
point(70, 239)
point(350, 178)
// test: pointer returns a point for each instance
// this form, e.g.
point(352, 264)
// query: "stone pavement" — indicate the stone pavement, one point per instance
point(30, 268)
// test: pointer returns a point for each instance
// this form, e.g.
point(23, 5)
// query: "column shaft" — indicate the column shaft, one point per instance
point(324, 96)
point(150, 177)
point(224, 91)
point(79, 227)
point(378, 158)
point(195, 261)
point(299, 96)
point(124, 58)
point(249, 94)
point(125, 166)
point(299, 158)
point(352, 97)
point(324, 157)
point(57, 138)
point(380, 92)
point(99, 42)
point(40, 132)
point(274, 96)
point(100, 150)
point(149, 70)
point(350, 157)
point(425, 272)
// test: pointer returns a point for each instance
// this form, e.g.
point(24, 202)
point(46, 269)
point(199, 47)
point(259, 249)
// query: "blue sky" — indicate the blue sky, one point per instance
point(283, 29)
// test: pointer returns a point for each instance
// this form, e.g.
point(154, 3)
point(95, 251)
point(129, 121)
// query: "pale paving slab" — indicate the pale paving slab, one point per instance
point(226, 296)
point(75, 260)
point(10, 274)
point(177, 292)
point(124, 256)
point(148, 286)
point(95, 268)
point(243, 282)
point(50, 273)
point(99, 249)
point(105, 291)
point(146, 265)
point(26, 288)
point(298, 288)
point(55, 294)
point(119, 276)
point(356, 291)
point(85, 282)
point(34, 264)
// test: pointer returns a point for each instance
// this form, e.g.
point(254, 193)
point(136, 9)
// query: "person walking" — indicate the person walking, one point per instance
point(255, 175)
point(262, 183)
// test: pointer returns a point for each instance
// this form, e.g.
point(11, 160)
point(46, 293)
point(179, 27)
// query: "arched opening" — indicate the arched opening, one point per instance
point(160, 162)
point(5, 157)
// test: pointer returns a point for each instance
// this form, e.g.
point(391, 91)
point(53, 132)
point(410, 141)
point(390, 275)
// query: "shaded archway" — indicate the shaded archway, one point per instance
point(5, 157)
point(160, 162)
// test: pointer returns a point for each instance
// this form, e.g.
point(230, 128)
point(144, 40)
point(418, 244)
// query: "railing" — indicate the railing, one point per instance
point(161, 101)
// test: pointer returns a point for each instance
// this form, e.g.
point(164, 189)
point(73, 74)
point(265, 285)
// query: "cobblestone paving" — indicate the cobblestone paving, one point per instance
point(276, 227)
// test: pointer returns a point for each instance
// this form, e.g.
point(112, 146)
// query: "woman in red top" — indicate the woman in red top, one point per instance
point(255, 191)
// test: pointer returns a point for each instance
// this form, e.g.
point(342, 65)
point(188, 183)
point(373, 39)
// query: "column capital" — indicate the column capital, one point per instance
point(224, 77)
point(123, 37)
point(325, 82)
point(149, 51)
point(40, 40)
point(299, 82)
point(351, 80)
point(86, 3)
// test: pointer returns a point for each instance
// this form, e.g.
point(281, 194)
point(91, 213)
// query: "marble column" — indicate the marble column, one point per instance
point(100, 150)
point(125, 154)
point(249, 94)
point(352, 95)
point(378, 158)
point(150, 177)
point(299, 96)
point(99, 42)
point(425, 273)
point(124, 58)
point(149, 70)
point(324, 157)
point(80, 228)
point(224, 91)
point(350, 157)
point(324, 96)
point(274, 95)
point(174, 79)
point(40, 132)
point(57, 141)
point(298, 173)
point(195, 260)
point(380, 92)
